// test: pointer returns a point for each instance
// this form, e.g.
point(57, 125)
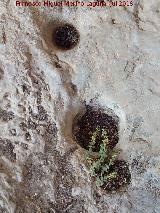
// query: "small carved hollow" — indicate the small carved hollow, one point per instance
point(66, 37)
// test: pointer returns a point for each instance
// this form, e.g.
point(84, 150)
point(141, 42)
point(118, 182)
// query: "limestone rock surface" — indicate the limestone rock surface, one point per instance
point(117, 66)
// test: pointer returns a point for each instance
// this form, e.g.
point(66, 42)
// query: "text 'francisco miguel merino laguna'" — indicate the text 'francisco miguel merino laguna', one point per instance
point(73, 3)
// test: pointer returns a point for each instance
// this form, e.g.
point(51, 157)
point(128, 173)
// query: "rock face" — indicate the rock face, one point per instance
point(116, 65)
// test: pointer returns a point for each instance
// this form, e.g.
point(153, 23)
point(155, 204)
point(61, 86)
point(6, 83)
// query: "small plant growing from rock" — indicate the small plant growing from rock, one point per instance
point(102, 164)
point(98, 133)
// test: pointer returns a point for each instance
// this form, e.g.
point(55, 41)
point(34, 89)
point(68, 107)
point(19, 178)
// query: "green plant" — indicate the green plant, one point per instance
point(100, 164)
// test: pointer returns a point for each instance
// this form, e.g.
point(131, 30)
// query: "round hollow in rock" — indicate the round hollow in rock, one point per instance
point(123, 176)
point(66, 36)
point(85, 125)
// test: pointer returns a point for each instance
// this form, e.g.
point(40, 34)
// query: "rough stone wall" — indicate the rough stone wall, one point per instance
point(116, 65)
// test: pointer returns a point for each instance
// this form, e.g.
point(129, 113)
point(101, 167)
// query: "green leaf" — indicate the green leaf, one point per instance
point(99, 181)
point(111, 176)
point(100, 167)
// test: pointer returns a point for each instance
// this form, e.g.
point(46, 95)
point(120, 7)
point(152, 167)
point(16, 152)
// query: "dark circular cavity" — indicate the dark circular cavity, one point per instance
point(84, 127)
point(123, 176)
point(66, 37)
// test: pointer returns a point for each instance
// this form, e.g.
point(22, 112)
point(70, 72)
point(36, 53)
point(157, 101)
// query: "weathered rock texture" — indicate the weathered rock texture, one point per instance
point(116, 66)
